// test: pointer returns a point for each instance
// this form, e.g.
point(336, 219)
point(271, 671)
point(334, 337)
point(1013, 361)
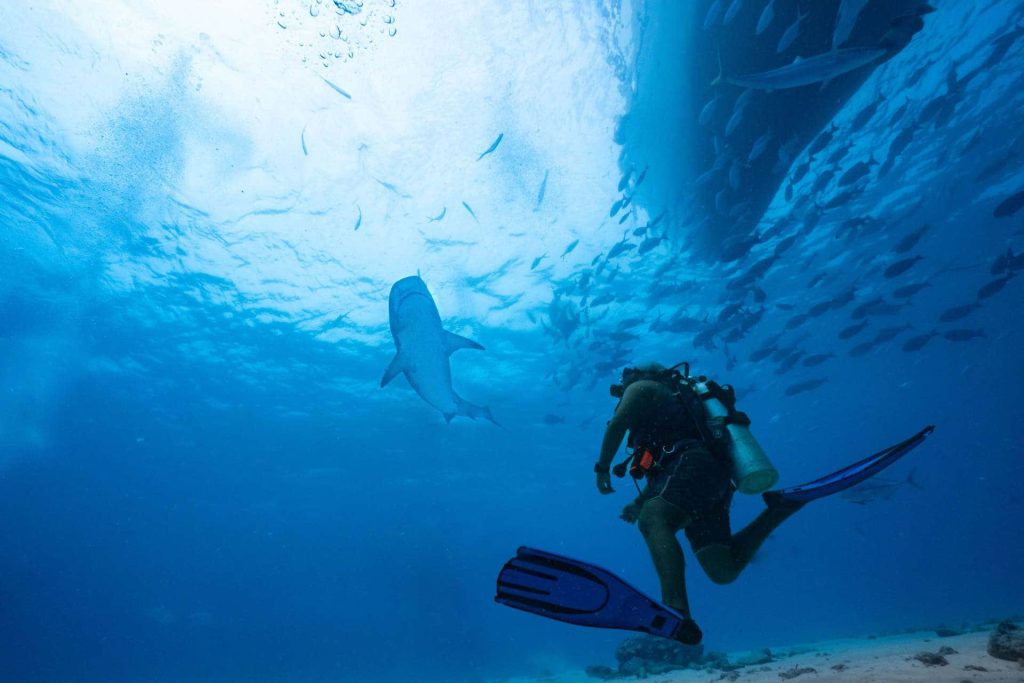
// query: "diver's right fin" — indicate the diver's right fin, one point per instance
point(850, 475)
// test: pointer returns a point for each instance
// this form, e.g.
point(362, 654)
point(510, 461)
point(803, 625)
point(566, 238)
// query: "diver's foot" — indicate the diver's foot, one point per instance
point(778, 502)
point(688, 633)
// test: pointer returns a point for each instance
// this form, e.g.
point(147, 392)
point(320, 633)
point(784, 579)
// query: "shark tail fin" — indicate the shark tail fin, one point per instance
point(392, 371)
point(913, 482)
point(474, 411)
point(453, 342)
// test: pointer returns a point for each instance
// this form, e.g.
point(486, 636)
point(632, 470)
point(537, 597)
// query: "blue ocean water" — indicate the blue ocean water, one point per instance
point(203, 211)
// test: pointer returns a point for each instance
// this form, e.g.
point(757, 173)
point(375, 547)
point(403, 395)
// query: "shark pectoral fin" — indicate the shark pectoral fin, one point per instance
point(448, 417)
point(453, 342)
point(396, 366)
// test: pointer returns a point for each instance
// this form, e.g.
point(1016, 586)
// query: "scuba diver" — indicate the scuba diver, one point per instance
point(686, 438)
point(689, 480)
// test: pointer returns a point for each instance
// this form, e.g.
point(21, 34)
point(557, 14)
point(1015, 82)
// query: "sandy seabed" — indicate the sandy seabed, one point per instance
point(885, 659)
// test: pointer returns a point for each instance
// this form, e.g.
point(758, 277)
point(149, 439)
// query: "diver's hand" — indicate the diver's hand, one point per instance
point(604, 483)
point(631, 513)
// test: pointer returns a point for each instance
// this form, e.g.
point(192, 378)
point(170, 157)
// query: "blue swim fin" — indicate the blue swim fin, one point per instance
point(579, 593)
point(848, 476)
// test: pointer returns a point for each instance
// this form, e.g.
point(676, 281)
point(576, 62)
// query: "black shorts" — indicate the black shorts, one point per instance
point(698, 483)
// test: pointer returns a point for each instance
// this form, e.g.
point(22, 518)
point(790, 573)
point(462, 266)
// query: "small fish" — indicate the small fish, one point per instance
point(641, 231)
point(917, 343)
point(807, 385)
point(958, 312)
point(734, 8)
point(624, 180)
point(543, 189)
point(494, 146)
point(876, 489)
point(785, 244)
point(861, 349)
point(856, 172)
point(714, 12)
point(552, 419)
point(1010, 205)
point(796, 321)
point(888, 334)
point(657, 219)
point(625, 217)
point(866, 114)
point(597, 258)
point(817, 359)
point(767, 15)
point(910, 240)
point(708, 111)
point(1002, 263)
point(846, 19)
point(762, 353)
point(568, 249)
point(602, 300)
point(819, 309)
point(901, 266)
point(963, 335)
point(620, 248)
point(734, 121)
point(649, 243)
point(390, 187)
point(791, 33)
point(439, 216)
point(907, 291)
point(993, 287)
point(760, 145)
point(616, 207)
point(359, 220)
point(841, 198)
point(641, 177)
point(336, 88)
point(821, 142)
point(852, 330)
point(996, 167)
point(471, 212)
point(302, 138)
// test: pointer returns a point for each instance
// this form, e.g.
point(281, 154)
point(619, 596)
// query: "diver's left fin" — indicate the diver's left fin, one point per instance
point(395, 367)
point(453, 342)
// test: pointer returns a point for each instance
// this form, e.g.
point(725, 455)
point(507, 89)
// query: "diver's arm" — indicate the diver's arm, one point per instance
point(634, 401)
point(613, 435)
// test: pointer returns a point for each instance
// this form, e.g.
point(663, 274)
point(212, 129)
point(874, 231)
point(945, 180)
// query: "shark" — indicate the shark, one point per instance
point(423, 348)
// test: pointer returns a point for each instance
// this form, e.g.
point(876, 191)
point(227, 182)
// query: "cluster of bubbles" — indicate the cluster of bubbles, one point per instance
point(344, 27)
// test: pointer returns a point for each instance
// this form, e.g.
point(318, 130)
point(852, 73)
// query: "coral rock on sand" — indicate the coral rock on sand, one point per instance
point(1007, 642)
point(646, 655)
point(604, 673)
point(796, 671)
point(930, 659)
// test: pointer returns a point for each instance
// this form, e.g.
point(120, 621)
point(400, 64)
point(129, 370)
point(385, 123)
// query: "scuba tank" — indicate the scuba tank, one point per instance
point(752, 471)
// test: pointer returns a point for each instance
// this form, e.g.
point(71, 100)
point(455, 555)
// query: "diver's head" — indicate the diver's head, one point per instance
point(648, 370)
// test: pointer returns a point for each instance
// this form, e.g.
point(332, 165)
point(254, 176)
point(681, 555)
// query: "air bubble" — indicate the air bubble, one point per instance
point(392, 31)
point(314, 11)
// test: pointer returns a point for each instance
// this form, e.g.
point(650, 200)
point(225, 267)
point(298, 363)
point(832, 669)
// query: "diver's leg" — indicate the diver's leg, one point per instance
point(723, 562)
point(659, 522)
